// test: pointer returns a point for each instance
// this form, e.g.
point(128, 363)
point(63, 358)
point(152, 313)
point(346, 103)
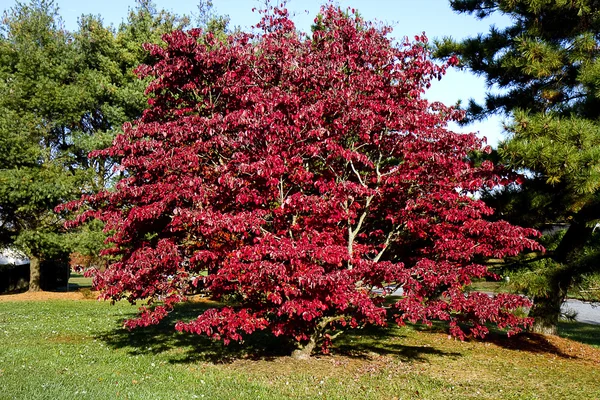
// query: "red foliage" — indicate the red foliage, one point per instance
point(296, 174)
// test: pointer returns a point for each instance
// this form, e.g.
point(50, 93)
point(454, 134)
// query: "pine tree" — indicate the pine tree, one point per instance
point(543, 72)
point(115, 95)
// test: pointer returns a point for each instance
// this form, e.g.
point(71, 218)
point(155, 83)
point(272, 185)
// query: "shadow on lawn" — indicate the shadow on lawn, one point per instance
point(528, 341)
point(376, 340)
point(525, 341)
point(580, 332)
point(189, 348)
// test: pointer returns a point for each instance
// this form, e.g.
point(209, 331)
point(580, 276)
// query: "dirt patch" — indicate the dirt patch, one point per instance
point(70, 339)
point(42, 296)
point(548, 345)
point(198, 298)
point(574, 349)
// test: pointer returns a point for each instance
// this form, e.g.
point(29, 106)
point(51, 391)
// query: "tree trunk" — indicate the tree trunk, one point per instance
point(34, 274)
point(304, 352)
point(546, 310)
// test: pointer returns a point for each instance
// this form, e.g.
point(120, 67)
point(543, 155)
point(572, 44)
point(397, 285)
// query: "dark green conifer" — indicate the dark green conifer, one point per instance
point(543, 72)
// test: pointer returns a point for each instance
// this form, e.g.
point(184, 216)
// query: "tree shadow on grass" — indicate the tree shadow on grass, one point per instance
point(188, 348)
point(580, 332)
point(524, 341)
point(375, 341)
point(262, 345)
point(538, 344)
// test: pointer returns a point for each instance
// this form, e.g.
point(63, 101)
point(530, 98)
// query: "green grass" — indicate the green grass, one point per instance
point(78, 350)
point(77, 281)
point(487, 286)
point(583, 333)
point(591, 296)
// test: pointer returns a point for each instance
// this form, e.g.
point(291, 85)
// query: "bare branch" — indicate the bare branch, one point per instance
point(357, 174)
point(352, 233)
point(388, 239)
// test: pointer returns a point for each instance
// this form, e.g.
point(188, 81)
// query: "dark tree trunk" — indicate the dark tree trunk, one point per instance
point(34, 274)
point(546, 310)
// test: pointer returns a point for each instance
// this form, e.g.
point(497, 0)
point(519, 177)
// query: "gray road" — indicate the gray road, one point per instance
point(586, 312)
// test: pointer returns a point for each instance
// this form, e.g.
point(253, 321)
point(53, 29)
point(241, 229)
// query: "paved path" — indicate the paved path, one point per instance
point(586, 312)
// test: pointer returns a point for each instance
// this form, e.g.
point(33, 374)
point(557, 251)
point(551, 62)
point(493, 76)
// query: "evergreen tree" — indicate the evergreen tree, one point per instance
point(38, 99)
point(63, 95)
point(544, 72)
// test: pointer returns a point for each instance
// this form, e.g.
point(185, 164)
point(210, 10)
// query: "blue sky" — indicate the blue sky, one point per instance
point(407, 17)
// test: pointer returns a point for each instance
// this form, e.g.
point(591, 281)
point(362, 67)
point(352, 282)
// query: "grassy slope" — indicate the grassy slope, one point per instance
point(69, 349)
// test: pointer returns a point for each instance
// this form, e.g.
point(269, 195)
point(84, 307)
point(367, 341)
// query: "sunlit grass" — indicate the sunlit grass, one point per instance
point(77, 281)
point(78, 350)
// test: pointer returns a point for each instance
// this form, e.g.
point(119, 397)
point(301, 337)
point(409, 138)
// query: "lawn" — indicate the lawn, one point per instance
point(66, 349)
point(78, 281)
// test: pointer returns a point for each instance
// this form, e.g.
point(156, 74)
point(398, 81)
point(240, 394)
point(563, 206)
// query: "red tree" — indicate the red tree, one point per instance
point(296, 174)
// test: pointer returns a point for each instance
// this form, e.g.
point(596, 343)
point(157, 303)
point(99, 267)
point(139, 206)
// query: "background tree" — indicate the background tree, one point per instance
point(62, 95)
point(543, 71)
point(38, 99)
point(210, 20)
point(114, 94)
point(292, 175)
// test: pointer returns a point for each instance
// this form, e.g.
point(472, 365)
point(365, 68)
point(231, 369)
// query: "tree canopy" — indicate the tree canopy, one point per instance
point(301, 179)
